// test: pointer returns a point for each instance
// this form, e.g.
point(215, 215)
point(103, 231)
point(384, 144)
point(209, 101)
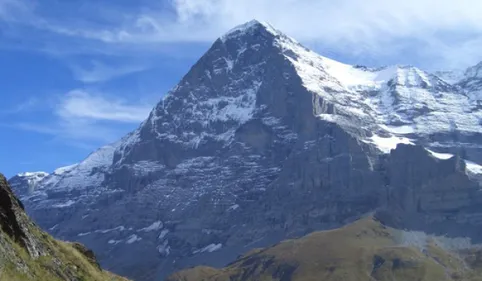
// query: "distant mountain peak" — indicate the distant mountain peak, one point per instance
point(29, 180)
point(474, 71)
point(33, 174)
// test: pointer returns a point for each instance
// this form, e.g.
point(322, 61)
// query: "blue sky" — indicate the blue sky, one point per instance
point(81, 73)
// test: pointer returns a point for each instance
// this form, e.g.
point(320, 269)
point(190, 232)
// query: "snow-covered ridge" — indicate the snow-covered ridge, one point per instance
point(33, 178)
point(33, 174)
point(451, 76)
point(76, 176)
point(405, 99)
point(66, 169)
point(474, 71)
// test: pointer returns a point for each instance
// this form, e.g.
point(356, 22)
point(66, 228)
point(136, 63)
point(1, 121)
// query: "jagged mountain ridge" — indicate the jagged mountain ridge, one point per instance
point(268, 134)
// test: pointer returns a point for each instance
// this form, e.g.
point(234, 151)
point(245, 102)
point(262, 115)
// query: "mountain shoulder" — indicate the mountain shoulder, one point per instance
point(364, 250)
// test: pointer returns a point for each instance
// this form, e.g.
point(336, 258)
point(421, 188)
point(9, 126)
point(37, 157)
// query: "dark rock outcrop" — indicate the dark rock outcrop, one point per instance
point(9, 206)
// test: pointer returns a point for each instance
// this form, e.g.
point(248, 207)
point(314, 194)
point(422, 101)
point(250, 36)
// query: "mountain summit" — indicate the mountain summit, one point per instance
point(263, 140)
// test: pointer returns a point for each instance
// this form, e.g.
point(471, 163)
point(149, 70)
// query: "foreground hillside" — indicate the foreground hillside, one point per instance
point(364, 250)
point(27, 253)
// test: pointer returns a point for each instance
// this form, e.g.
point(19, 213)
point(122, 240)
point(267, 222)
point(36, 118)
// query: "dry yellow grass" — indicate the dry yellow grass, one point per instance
point(363, 251)
point(63, 262)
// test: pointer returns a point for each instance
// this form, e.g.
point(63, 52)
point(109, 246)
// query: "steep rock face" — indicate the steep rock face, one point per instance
point(431, 194)
point(263, 140)
point(9, 222)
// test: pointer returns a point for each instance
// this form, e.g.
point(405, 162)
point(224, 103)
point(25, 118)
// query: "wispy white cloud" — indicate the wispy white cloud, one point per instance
point(80, 104)
point(84, 119)
point(99, 72)
point(371, 28)
point(381, 28)
point(77, 133)
point(26, 106)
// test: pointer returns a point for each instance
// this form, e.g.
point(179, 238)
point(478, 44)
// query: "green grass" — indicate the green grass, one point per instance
point(65, 263)
point(60, 261)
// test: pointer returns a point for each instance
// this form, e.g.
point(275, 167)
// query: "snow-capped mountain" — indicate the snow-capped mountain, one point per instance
point(263, 140)
point(27, 182)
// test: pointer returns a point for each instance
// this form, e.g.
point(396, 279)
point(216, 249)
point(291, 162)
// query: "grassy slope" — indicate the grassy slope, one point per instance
point(364, 250)
point(63, 263)
point(44, 258)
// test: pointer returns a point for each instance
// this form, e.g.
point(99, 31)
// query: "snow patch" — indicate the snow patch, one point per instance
point(387, 144)
point(233, 207)
point(470, 166)
point(163, 234)
point(133, 238)
point(103, 231)
point(164, 249)
point(64, 205)
point(157, 225)
point(114, 242)
point(473, 167)
point(443, 156)
point(209, 248)
point(402, 130)
point(239, 108)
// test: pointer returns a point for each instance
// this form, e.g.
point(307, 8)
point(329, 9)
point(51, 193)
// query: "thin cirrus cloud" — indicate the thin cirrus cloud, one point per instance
point(100, 72)
point(28, 105)
point(80, 133)
point(433, 30)
point(80, 104)
point(87, 120)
